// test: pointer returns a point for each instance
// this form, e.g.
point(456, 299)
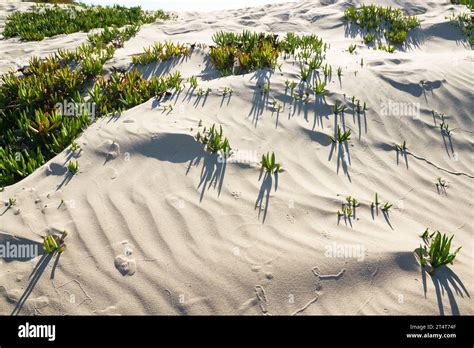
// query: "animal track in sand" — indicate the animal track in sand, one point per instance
point(70, 289)
point(302, 309)
point(337, 276)
point(262, 299)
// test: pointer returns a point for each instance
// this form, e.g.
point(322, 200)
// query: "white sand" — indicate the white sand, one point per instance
point(159, 229)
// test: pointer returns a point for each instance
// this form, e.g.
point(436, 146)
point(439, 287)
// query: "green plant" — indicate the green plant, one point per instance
point(193, 83)
point(393, 23)
point(320, 88)
point(214, 141)
point(386, 48)
point(315, 63)
point(339, 71)
point(252, 51)
point(386, 207)
point(347, 210)
point(352, 48)
point(227, 91)
point(368, 38)
point(352, 201)
point(327, 70)
point(342, 136)
point(159, 52)
point(304, 73)
point(445, 128)
point(401, 148)
point(73, 167)
point(269, 164)
point(73, 146)
point(437, 250)
point(11, 201)
point(339, 108)
point(375, 203)
point(464, 22)
point(266, 87)
point(441, 184)
point(53, 243)
point(276, 105)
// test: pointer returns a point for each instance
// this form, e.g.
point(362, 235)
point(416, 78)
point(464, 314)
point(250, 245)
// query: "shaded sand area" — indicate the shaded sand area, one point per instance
point(159, 226)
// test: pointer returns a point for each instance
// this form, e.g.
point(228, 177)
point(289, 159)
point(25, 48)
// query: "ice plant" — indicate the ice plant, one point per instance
point(437, 250)
point(338, 108)
point(11, 201)
point(193, 83)
point(269, 163)
point(386, 207)
point(320, 88)
point(214, 140)
point(341, 136)
point(53, 243)
point(73, 167)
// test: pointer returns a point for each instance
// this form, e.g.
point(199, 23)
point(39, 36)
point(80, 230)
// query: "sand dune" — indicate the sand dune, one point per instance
point(158, 226)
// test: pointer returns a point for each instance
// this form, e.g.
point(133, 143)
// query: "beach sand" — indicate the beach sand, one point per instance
point(158, 226)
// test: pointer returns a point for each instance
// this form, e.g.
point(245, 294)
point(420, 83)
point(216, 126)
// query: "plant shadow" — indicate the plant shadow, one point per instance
point(446, 283)
point(34, 277)
point(259, 98)
point(263, 198)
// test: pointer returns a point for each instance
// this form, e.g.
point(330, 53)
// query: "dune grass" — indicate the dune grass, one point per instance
point(46, 20)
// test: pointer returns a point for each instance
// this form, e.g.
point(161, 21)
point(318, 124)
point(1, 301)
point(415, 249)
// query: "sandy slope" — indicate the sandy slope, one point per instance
point(208, 238)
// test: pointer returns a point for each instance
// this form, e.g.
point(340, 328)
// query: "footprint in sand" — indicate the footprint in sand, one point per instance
point(125, 265)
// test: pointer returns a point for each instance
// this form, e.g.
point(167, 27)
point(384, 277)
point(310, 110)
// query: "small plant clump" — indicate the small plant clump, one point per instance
point(320, 88)
point(214, 141)
point(269, 163)
point(54, 244)
point(159, 52)
point(386, 207)
point(375, 203)
point(113, 35)
point(122, 91)
point(73, 167)
point(402, 148)
point(11, 201)
point(45, 21)
point(339, 108)
point(193, 83)
point(441, 184)
point(437, 250)
point(390, 22)
point(464, 20)
point(227, 91)
point(237, 53)
point(342, 136)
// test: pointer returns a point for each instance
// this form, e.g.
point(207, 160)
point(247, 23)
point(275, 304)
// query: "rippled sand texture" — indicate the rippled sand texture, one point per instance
point(157, 226)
